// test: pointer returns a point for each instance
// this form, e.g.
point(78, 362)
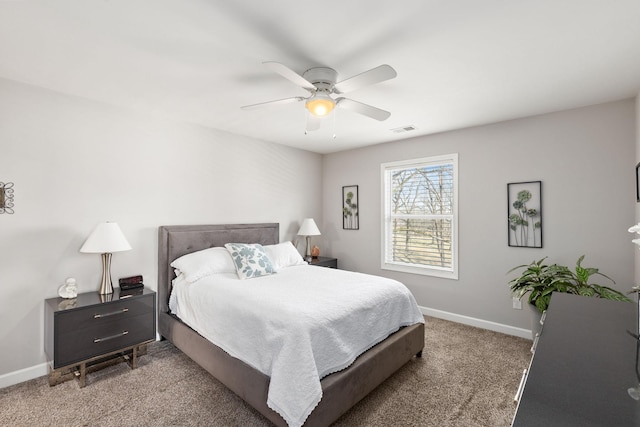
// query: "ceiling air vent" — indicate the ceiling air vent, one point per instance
point(403, 129)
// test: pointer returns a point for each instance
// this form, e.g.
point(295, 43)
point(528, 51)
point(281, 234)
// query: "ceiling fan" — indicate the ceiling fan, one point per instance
point(321, 84)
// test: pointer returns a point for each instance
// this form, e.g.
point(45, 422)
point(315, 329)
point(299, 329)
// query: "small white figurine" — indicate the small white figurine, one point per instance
point(69, 289)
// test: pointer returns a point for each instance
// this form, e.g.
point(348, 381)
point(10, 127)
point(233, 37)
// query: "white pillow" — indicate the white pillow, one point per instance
point(283, 255)
point(250, 260)
point(203, 263)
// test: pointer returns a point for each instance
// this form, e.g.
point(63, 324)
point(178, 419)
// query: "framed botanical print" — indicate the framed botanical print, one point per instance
point(350, 208)
point(524, 214)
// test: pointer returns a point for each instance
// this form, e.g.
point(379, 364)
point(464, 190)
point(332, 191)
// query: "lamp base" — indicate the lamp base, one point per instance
point(307, 253)
point(106, 287)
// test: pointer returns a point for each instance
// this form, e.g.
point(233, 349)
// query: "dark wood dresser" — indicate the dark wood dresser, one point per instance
point(583, 365)
point(86, 330)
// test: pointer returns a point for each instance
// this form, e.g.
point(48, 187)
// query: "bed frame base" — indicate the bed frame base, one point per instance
point(341, 390)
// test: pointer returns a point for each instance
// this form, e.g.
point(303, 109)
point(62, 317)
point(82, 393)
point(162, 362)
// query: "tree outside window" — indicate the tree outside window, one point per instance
point(420, 221)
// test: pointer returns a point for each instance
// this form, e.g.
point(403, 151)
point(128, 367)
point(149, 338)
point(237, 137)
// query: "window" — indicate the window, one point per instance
point(420, 216)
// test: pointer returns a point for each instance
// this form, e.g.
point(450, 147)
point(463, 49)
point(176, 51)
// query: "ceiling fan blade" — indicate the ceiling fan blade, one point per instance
point(373, 76)
point(359, 107)
point(268, 103)
point(313, 122)
point(289, 74)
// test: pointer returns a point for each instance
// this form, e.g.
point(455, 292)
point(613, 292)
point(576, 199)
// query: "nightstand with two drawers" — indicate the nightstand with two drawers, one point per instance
point(322, 261)
point(93, 331)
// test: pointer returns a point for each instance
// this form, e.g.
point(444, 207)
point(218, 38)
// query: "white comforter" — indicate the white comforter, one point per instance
point(295, 326)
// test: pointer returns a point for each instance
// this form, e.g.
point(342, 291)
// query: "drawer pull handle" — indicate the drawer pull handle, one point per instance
point(535, 343)
point(97, 316)
point(523, 379)
point(97, 340)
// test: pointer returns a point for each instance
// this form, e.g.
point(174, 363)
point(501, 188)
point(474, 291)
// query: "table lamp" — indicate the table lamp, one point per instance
point(308, 229)
point(106, 239)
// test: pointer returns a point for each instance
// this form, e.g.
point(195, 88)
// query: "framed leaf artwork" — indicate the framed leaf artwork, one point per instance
point(524, 214)
point(350, 208)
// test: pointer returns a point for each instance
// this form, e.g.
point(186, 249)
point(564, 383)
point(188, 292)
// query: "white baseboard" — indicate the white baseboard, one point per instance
point(23, 375)
point(478, 323)
point(27, 374)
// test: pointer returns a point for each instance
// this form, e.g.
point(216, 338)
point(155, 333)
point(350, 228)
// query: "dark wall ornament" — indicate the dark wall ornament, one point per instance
point(524, 214)
point(350, 208)
point(638, 184)
point(6, 197)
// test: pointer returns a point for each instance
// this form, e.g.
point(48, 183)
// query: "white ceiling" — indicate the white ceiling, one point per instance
point(460, 62)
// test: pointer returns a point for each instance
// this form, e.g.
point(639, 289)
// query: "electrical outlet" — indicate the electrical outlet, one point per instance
point(517, 304)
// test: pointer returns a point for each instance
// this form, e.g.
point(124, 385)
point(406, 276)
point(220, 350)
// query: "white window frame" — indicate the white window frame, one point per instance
point(385, 169)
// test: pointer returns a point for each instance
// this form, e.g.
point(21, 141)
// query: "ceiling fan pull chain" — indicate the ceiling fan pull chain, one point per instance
point(335, 113)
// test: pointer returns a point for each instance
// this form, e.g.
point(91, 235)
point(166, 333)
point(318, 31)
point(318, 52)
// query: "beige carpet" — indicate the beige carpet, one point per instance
point(466, 377)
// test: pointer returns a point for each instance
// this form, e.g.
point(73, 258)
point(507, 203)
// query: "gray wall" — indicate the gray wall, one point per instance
point(76, 163)
point(585, 160)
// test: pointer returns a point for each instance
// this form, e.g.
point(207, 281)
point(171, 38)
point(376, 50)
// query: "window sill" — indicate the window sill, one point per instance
point(444, 274)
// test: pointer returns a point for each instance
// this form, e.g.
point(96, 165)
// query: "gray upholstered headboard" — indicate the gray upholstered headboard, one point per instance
point(177, 240)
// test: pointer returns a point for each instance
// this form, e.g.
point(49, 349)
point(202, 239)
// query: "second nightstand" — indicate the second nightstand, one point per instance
point(322, 261)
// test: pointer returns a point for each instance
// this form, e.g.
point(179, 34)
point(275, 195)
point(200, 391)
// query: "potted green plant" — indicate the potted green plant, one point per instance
point(541, 280)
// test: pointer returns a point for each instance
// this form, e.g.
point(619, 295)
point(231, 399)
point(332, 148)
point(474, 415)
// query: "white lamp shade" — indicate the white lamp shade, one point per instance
point(106, 238)
point(308, 228)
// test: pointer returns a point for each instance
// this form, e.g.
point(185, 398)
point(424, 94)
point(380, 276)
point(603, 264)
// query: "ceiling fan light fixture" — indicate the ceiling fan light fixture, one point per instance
point(320, 104)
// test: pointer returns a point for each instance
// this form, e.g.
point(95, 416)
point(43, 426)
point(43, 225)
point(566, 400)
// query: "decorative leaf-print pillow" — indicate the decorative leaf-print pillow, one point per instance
point(250, 260)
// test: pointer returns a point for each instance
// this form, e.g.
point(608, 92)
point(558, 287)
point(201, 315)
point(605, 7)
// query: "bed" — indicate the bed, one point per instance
point(340, 390)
